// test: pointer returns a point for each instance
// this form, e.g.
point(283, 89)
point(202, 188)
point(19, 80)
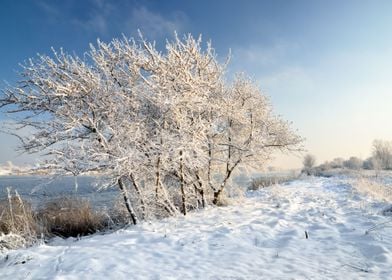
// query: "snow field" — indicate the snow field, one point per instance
point(259, 237)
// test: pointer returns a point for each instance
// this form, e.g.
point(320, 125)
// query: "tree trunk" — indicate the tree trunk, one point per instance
point(209, 166)
point(203, 198)
point(182, 183)
point(157, 177)
point(201, 190)
point(169, 207)
point(127, 201)
point(137, 189)
point(218, 193)
point(196, 194)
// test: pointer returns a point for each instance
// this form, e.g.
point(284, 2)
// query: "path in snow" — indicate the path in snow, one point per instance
point(259, 237)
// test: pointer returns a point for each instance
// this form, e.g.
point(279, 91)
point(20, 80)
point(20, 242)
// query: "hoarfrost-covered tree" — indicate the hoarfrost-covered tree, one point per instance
point(81, 111)
point(337, 163)
point(371, 163)
point(309, 162)
point(353, 163)
point(164, 126)
point(250, 132)
point(382, 153)
point(182, 83)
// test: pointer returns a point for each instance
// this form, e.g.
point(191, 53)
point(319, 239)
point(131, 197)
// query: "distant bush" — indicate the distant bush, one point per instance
point(368, 164)
point(353, 163)
point(337, 163)
point(382, 154)
point(323, 167)
point(309, 162)
point(263, 182)
point(337, 166)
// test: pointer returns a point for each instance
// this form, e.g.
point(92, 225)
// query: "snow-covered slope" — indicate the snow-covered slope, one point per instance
point(258, 237)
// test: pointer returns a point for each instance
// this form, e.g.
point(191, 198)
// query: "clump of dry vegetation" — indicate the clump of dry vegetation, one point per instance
point(373, 188)
point(18, 227)
point(263, 182)
point(70, 217)
point(22, 226)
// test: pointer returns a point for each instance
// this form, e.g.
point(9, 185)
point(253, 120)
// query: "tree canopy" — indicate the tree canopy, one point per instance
point(166, 122)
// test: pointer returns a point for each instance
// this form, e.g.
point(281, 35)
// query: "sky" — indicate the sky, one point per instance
point(326, 65)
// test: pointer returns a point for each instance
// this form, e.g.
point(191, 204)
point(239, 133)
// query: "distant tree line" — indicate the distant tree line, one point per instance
point(381, 159)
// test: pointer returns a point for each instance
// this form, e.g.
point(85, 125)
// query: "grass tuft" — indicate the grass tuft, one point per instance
point(71, 217)
point(18, 227)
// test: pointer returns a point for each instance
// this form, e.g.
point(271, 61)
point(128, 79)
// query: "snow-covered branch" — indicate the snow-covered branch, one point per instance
point(161, 123)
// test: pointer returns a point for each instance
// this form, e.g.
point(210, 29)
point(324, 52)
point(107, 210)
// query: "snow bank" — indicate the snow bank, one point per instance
point(260, 237)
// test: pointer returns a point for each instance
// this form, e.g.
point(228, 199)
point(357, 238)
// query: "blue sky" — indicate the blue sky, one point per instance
point(325, 64)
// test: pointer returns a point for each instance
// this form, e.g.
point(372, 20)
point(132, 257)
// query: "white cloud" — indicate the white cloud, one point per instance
point(99, 18)
point(288, 79)
point(105, 17)
point(52, 12)
point(256, 55)
point(48, 8)
point(154, 24)
point(260, 56)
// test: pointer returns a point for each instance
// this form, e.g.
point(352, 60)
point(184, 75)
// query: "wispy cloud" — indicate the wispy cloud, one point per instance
point(257, 55)
point(52, 12)
point(154, 24)
point(272, 65)
point(263, 55)
point(289, 79)
point(102, 17)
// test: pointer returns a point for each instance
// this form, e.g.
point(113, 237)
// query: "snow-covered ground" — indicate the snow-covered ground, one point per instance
point(261, 236)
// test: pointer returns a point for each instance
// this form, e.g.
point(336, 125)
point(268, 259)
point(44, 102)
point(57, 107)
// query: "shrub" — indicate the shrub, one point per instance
point(309, 162)
point(382, 154)
point(353, 163)
point(263, 182)
point(337, 163)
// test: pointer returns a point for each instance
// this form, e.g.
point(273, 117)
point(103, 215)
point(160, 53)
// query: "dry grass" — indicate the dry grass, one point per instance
point(71, 217)
point(18, 227)
point(21, 226)
point(373, 188)
point(263, 182)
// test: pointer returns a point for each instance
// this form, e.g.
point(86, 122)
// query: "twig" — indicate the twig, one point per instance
point(377, 226)
point(357, 267)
